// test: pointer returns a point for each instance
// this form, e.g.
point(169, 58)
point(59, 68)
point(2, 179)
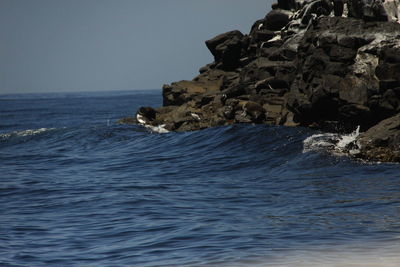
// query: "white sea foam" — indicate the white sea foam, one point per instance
point(335, 143)
point(346, 140)
point(158, 128)
point(23, 133)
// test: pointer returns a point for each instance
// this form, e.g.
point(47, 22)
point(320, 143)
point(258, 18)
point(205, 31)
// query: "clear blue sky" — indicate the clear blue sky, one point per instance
point(92, 45)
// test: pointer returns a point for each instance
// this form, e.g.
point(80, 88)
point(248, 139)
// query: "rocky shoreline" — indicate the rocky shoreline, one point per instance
point(328, 65)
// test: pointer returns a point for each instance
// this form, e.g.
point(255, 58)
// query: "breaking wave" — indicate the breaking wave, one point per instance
point(155, 129)
point(337, 144)
point(77, 189)
point(24, 133)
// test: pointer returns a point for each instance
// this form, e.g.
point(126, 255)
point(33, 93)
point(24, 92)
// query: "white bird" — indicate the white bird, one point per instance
point(259, 26)
point(140, 119)
point(195, 116)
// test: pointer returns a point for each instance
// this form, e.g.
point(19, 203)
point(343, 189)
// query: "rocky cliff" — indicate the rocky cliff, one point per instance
point(329, 65)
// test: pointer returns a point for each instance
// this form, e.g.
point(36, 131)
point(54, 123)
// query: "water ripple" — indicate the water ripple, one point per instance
point(89, 193)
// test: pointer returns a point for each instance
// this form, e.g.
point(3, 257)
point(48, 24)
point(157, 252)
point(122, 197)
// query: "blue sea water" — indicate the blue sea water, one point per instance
point(76, 189)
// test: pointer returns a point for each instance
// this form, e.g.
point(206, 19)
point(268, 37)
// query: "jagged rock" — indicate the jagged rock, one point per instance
point(181, 92)
point(148, 112)
point(276, 20)
point(233, 92)
point(146, 116)
point(368, 10)
point(338, 7)
point(272, 84)
point(392, 8)
point(381, 142)
point(260, 33)
point(287, 4)
point(227, 48)
point(339, 70)
point(330, 65)
point(315, 9)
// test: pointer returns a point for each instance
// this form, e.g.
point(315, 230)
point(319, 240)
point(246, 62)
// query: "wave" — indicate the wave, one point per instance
point(337, 144)
point(262, 140)
point(157, 129)
point(24, 133)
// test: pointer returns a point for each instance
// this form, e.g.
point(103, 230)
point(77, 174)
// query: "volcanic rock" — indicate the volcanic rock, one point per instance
point(381, 142)
point(330, 65)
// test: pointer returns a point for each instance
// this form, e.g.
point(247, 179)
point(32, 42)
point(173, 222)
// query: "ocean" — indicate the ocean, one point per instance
point(77, 189)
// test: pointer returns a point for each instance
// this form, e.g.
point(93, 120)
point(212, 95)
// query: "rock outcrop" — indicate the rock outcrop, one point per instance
point(329, 65)
point(381, 142)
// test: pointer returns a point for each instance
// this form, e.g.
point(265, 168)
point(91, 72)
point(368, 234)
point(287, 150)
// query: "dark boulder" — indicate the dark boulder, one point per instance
point(148, 112)
point(287, 4)
point(276, 20)
point(227, 48)
point(390, 54)
point(381, 142)
point(146, 115)
point(182, 92)
point(233, 92)
point(258, 28)
point(388, 71)
point(338, 6)
point(368, 10)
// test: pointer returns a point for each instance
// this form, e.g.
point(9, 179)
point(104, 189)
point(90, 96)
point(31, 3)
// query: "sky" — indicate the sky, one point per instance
point(96, 45)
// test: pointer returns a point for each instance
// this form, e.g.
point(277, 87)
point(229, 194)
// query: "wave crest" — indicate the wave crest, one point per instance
point(24, 133)
point(338, 144)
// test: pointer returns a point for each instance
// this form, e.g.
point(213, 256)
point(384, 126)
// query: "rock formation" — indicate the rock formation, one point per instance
point(329, 65)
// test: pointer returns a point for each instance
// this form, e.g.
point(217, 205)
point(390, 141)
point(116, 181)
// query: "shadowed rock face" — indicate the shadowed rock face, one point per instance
point(323, 64)
point(227, 48)
point(381, 142)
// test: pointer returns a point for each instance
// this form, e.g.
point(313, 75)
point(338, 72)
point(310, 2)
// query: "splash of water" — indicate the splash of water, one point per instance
point(346, 140)
point(29, 132)
point(156, 129)
point(338, 144)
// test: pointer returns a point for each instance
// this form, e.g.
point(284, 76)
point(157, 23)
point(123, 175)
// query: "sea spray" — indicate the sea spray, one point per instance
point(346, 140)
point(156, 129)
point(338, 144)
point(24, 133)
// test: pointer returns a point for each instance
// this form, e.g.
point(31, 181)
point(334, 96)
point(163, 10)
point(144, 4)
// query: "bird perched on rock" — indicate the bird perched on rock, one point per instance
point(145, 115)
point(140, 119)
point(195, 116)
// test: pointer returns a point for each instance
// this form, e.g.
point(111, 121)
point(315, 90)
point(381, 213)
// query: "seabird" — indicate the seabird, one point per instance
point(140, 119)
point(195, 116)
